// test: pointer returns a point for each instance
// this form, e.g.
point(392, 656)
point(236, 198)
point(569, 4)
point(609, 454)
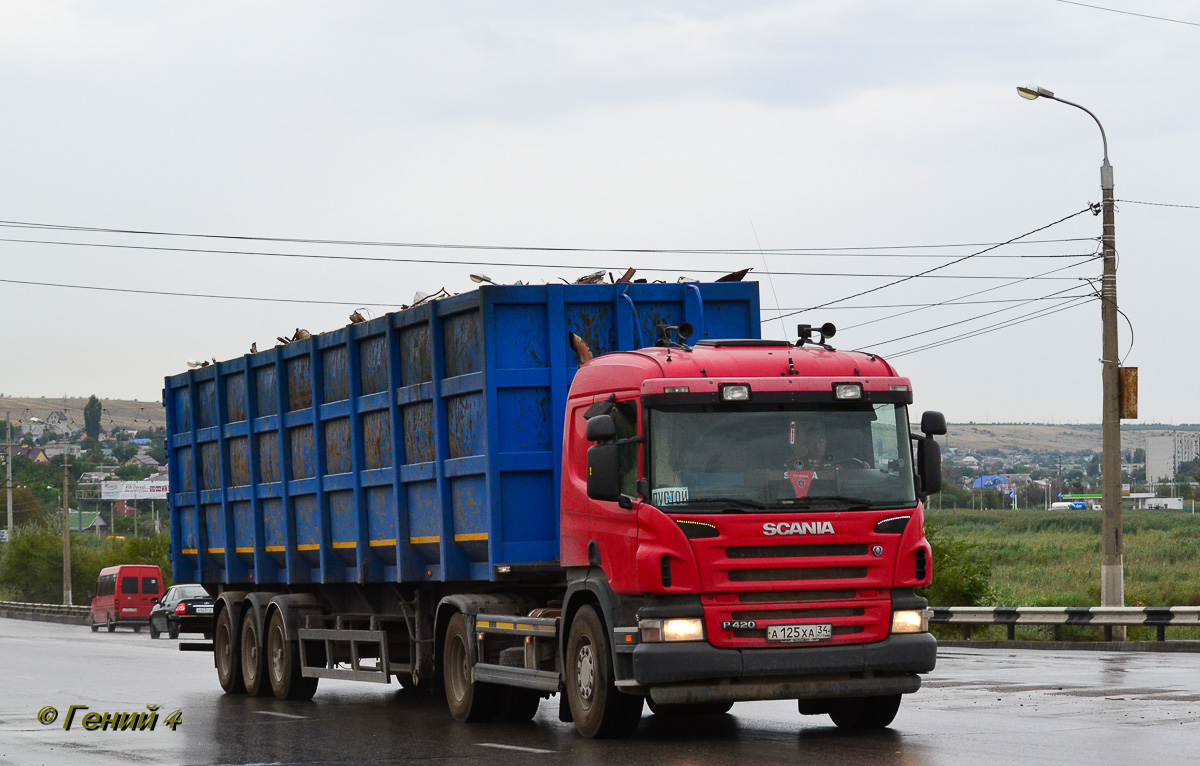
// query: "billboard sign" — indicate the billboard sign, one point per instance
point(134, 490)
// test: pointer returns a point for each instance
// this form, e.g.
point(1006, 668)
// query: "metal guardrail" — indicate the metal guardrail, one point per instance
point(70, 615)
point(1105, 617)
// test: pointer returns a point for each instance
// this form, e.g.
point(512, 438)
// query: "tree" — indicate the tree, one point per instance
point(961, 576)
point(91, 417)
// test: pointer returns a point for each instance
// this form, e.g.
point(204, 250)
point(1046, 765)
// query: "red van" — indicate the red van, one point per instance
point(124, 596)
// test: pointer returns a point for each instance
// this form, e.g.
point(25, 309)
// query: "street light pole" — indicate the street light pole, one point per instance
point(66, 501)
point(1112, 567)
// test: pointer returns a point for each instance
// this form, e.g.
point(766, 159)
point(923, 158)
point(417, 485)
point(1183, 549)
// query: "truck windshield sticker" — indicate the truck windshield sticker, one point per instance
point(669, 495)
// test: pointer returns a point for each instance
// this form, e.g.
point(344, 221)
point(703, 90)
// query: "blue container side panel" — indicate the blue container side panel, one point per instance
point(422, 445)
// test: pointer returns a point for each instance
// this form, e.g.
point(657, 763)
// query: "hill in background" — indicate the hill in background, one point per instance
point(117, 413)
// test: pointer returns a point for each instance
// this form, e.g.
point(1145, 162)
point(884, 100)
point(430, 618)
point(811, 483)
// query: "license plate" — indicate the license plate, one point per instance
point(129, 609)
point(204, 610)
point(798, 633)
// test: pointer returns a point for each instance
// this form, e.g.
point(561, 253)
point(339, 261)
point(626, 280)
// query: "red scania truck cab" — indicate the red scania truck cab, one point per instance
point(731, 560)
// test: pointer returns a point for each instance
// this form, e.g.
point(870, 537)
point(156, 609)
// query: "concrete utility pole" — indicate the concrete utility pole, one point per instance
point(8, 465)
point(1112, 566)
point(66, 534)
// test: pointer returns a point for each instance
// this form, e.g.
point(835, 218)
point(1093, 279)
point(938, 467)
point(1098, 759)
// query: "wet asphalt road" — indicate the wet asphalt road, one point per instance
point(979, 707)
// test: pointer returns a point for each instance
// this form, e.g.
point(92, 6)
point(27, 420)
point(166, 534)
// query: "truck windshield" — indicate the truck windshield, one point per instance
point(784, 457)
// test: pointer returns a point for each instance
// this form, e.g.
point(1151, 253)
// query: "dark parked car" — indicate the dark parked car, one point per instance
point(186, 608)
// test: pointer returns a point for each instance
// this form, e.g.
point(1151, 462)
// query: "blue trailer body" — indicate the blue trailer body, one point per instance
point(424, 445)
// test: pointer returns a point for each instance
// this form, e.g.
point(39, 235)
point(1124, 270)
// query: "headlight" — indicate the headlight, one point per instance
point(847, 391)
point(738, 392)
point(679, 629)
point(910, 621)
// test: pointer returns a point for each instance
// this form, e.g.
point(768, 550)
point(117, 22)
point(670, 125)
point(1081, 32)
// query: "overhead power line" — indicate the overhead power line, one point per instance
point(1041, 313)
point(1130, 13)
point(937, 268)
point(1043, 275)
point(193, 295)
point(975, 318)
point(531, 248)
point(1157, 204)
point(383, 259)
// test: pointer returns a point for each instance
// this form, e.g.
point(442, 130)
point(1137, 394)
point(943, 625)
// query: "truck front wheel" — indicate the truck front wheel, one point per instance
point(468, 701)
point(225, 654)
point(599, 709)
point(864, 712)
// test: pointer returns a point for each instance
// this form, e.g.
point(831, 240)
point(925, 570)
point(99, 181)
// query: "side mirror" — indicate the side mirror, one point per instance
point(603, 470)
point(933, 423)
point(929, 466)
point(601, 428)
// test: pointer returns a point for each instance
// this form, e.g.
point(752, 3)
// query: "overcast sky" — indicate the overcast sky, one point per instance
point(806, 126)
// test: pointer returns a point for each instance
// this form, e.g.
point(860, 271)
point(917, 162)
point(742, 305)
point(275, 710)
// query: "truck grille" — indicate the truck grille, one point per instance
point(797, 574)
point(793, 596)
point(795, 551)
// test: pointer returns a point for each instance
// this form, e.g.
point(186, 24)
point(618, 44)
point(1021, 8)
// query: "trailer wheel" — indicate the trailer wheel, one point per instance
point(864, 712)
point(599, 709)
point(226, 654)
point(253, 658)
point(283, 664)
point(468, 701)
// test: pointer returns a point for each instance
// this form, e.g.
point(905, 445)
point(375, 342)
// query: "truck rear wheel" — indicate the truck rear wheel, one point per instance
point(865, 712)
point(226, 654)
point(283, 664)
point(253, 658)
point(599, 709)
point(468, 701)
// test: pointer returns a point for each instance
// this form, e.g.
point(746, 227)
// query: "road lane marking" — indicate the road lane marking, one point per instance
point(513, 747)
point(281, 715)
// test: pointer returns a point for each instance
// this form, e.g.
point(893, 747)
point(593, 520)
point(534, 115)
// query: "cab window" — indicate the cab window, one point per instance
point(625, 415)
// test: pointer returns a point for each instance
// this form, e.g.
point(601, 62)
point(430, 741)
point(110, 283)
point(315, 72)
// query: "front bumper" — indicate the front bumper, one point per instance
point(698, 672)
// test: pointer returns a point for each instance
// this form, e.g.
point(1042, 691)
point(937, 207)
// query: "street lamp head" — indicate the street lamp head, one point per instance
point(1033, 91)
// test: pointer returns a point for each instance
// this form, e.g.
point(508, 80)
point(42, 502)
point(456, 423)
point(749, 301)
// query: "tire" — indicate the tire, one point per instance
point(95, 627)
point(283, 664)
point(172, 630)
point(137, 628)
point(521, 705)
point(688, 711)
point(599, 709)
point(109, 625)
point(253, 658)
point(865, 712)
point(227, 654)
point(154, 632)
point(468, 701)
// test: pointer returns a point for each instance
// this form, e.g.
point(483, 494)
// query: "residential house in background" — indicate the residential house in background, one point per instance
point(91, 522)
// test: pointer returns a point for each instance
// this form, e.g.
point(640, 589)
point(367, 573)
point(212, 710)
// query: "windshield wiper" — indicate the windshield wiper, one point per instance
point(738, 501)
